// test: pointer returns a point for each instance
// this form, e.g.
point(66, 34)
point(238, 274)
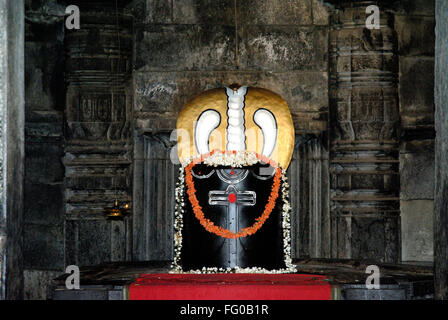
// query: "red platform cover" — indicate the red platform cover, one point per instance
point(234, 286)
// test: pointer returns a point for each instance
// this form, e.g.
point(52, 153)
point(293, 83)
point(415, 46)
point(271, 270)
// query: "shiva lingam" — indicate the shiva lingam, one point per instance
point(231, 200)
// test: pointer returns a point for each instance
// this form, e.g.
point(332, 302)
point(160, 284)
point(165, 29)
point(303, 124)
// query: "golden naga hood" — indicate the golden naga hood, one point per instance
point(236, 119)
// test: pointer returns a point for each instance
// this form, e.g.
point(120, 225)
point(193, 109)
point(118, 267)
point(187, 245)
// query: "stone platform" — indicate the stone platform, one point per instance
point(347, 278)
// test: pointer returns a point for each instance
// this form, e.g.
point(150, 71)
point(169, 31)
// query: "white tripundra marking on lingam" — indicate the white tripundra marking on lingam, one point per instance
point(266, 121)
point(236, 137)
point(208, 121)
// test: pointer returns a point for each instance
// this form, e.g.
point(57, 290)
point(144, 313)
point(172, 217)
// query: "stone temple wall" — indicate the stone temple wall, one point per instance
point(185, 47)
point(44, 138)
point(414, 24)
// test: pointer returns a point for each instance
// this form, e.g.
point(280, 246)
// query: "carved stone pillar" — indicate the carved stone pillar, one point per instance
point(155, 178)
point(441, 119)
point(98, 148)
point(308, 179)
point(364, 165)
point(12, 142)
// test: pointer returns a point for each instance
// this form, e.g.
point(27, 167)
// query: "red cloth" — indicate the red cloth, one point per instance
point(233, 286)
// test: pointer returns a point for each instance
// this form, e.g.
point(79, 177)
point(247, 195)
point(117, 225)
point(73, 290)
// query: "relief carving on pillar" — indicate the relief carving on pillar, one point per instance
point(98, 149)
point(364, 139)
point(99, 116)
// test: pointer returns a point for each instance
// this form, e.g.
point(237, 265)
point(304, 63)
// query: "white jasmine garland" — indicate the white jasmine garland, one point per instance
point(238, 159)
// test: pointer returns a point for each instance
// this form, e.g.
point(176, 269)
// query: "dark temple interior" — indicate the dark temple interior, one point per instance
point(87, 116)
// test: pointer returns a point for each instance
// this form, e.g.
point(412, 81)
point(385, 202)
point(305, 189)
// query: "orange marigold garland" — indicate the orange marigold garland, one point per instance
point(220, 231)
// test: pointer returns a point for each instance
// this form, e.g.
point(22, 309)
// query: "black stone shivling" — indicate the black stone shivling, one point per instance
point(252, 187)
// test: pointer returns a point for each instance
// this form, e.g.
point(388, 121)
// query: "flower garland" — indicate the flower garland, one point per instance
point(220, 231)
point(235, 159)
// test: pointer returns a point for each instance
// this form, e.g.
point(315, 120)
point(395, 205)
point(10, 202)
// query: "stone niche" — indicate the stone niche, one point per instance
point(186, 47)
